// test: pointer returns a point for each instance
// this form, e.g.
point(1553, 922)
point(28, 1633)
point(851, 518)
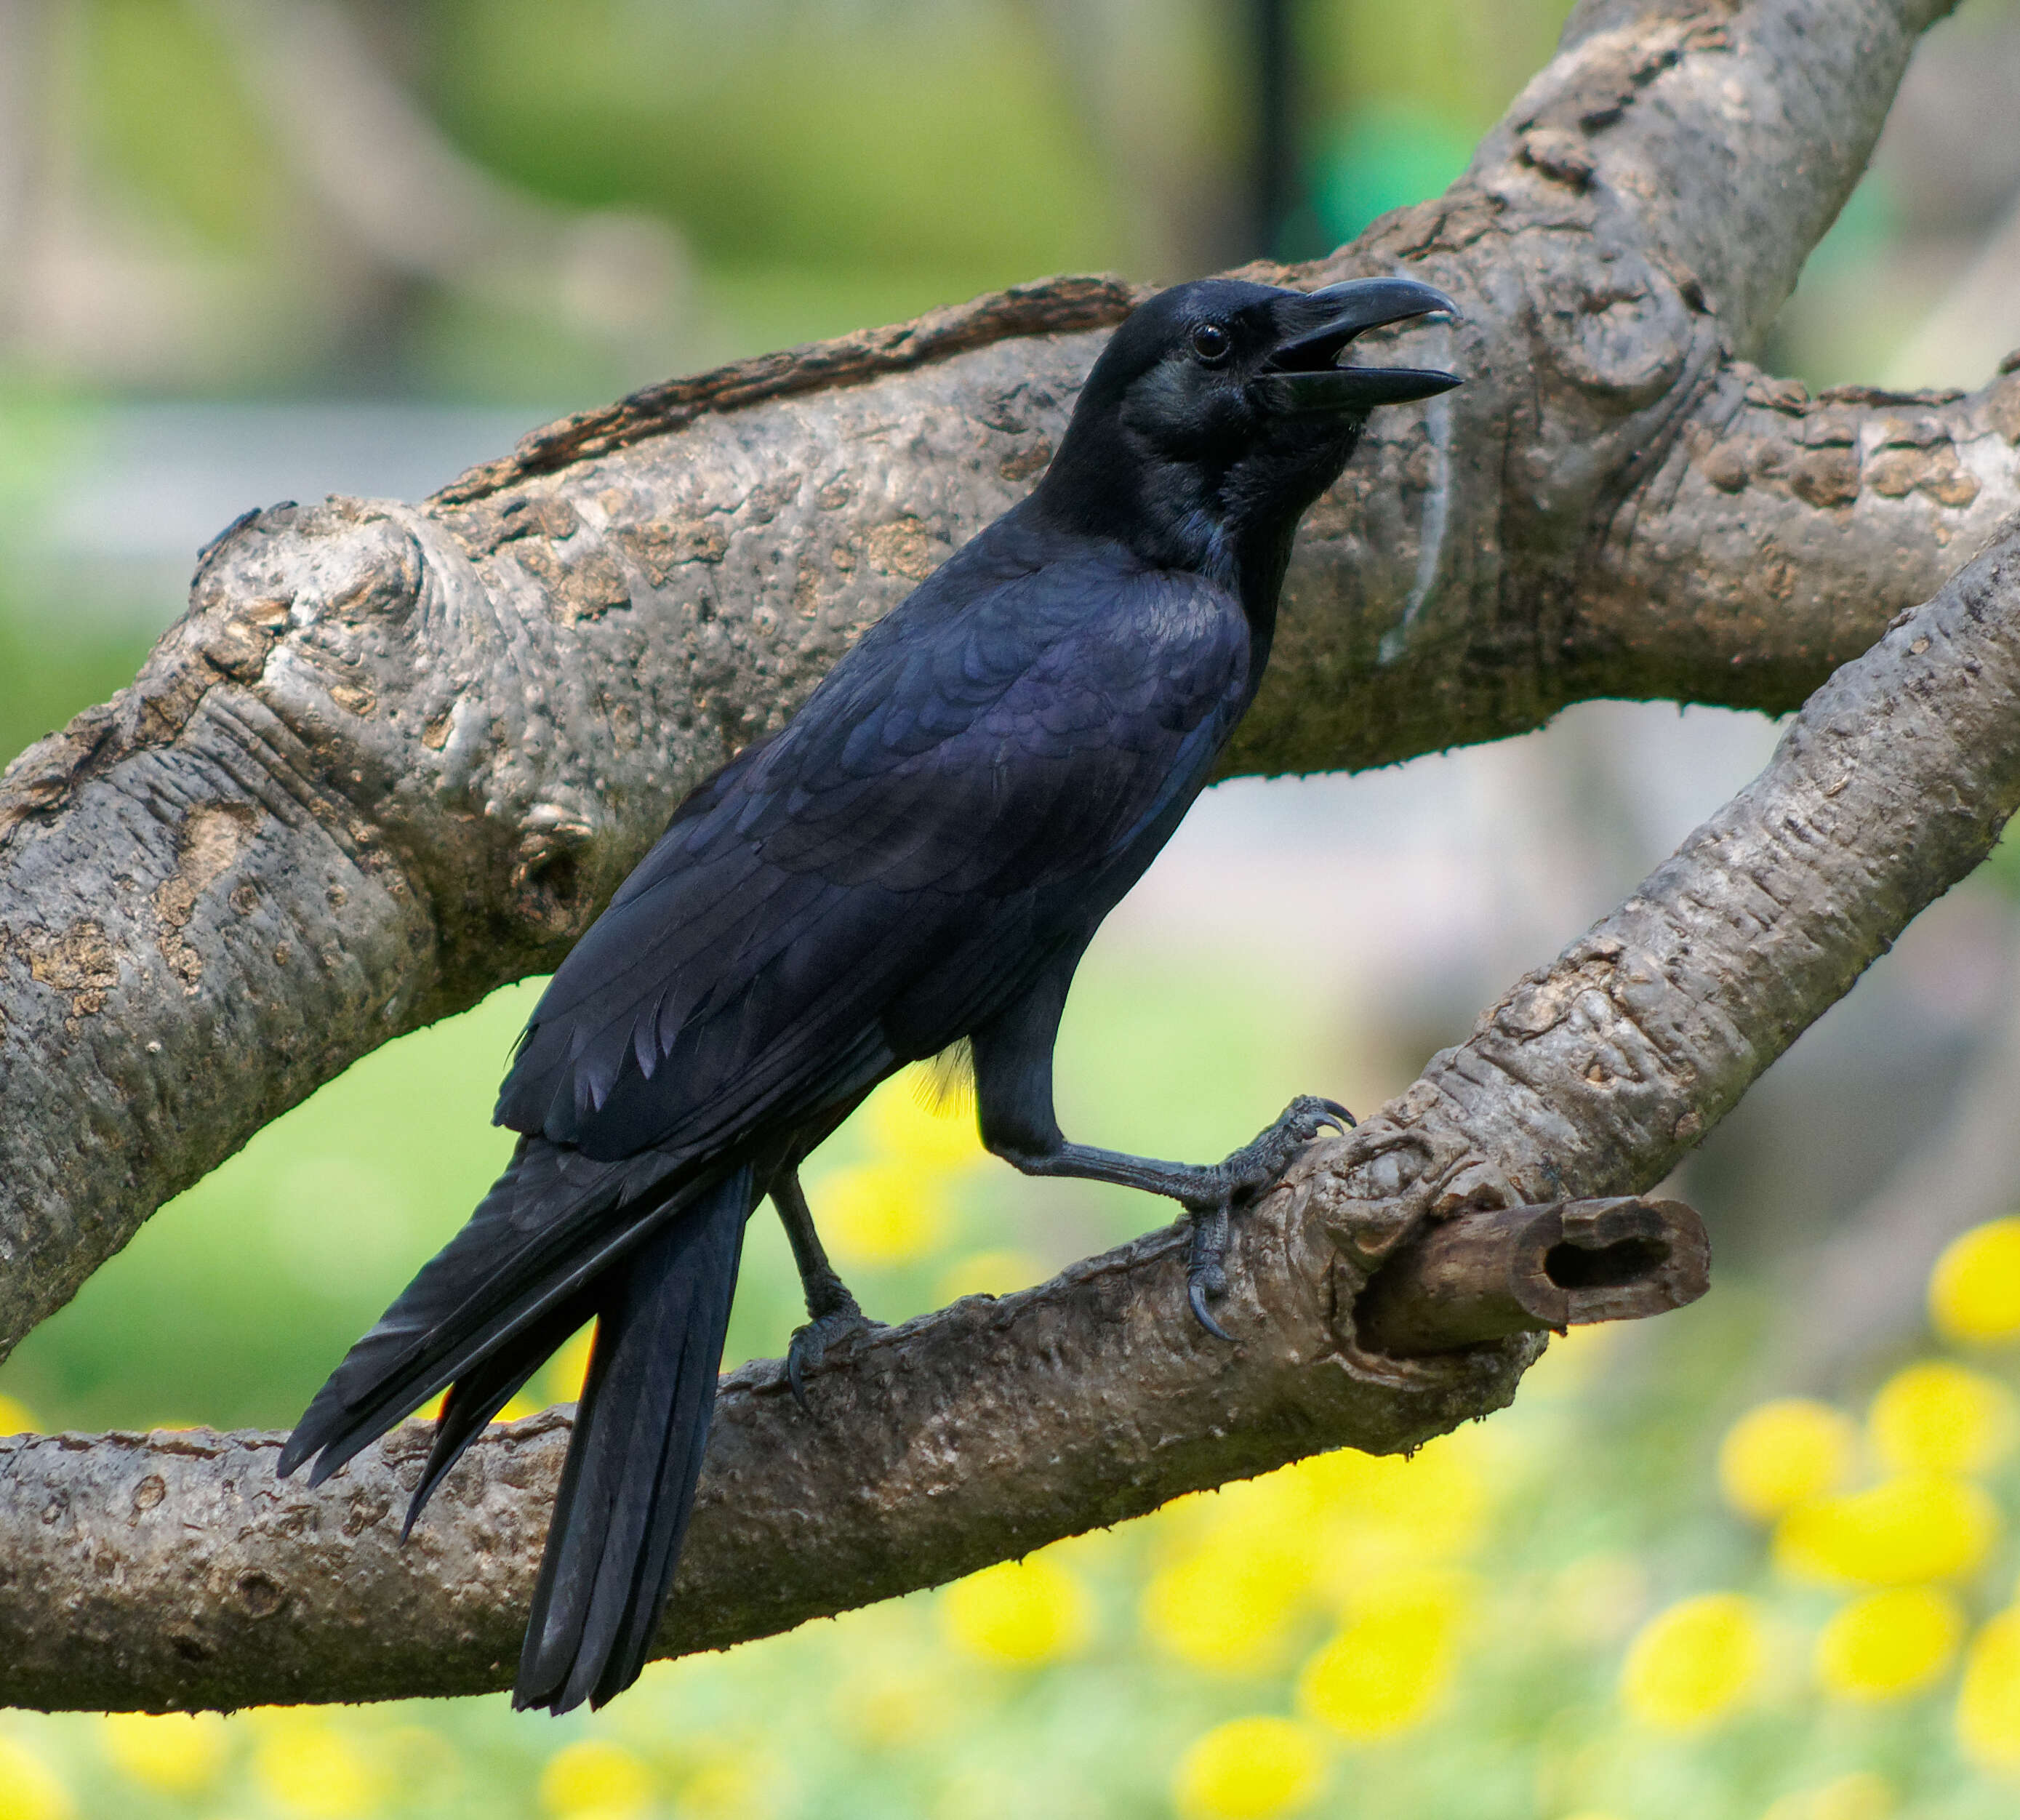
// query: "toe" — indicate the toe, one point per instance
point(1195, 1294)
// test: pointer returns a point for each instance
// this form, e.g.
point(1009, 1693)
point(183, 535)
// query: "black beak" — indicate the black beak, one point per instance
point(1299, 374)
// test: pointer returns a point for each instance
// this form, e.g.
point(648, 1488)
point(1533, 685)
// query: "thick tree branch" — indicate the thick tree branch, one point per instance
point(396, 756)
point(186, 1574)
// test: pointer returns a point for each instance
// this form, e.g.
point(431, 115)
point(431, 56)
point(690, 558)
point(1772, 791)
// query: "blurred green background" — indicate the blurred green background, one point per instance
point(252, 249)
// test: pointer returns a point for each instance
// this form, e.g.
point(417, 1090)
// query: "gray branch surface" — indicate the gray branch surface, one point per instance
point(175, 1570)
point(395, 756)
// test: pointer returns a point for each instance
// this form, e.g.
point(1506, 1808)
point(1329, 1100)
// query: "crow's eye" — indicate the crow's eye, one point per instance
point(1211, 344)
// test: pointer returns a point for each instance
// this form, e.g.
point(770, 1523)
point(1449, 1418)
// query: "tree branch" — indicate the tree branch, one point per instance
point(394, 757)
point(187, 1575)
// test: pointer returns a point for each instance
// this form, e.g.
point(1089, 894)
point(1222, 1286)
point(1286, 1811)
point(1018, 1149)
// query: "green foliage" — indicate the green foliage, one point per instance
point(857, 137)
point(166, 114)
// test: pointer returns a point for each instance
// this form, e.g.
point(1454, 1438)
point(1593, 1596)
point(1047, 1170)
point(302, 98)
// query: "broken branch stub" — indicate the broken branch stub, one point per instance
point(1486, 1273)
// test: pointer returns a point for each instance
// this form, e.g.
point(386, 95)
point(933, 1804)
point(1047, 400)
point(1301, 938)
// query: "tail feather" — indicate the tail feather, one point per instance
point(531, 1247)
point(628, 1487)
point(478, 1395)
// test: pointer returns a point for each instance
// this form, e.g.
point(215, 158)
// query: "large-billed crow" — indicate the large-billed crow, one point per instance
point(916, 861)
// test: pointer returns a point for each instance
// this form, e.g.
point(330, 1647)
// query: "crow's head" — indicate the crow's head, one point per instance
point(1219, 411)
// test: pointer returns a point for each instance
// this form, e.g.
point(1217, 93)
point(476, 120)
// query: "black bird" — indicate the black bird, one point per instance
point(915, 863)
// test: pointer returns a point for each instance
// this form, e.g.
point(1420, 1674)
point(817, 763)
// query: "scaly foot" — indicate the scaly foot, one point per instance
point(839, 1325)
point(1238, 1179)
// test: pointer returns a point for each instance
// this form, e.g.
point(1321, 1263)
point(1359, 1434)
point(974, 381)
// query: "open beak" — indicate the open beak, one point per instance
point(1316, 325)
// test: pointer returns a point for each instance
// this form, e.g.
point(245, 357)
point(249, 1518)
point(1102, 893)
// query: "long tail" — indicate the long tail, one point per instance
point(626, 1491)
point(515, 1283)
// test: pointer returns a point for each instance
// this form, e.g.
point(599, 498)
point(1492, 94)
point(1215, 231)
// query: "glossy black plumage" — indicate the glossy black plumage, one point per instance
point(918, 857)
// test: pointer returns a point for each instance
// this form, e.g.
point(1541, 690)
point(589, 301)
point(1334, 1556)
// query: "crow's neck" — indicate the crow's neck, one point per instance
point(1234, 525)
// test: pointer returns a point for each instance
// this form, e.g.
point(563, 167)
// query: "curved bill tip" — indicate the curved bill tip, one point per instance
point(1358, 303)
point(1316, 327)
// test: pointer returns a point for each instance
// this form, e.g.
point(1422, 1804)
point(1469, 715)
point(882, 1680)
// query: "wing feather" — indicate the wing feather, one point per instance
point(932, 823)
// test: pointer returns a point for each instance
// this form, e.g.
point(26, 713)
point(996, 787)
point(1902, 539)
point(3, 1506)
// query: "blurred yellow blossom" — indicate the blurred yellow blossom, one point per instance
point(15, 1418)
point(882, 1213)
point(1888, 1643)
point(903, 1126)
point(1691, 1665)
point(1914, 1527)
point(560, 1379)
point(893, 1704)
point(1227, 1602)
point(1570, 1363)
point(1784, 1453)
point(307, 1766)
point(1382, 1513)
point(1974, 1289)
point(1249, 1769)
point(179, 1753)
point(1392, 1659)
point(596, 1780)
point(1861, 1795)
point(1937, 1417)
point(729, 1786)
point(998, 1273)
point(1024, 1613)
point(1988, 1712)
point(29, 1788)
point(1226, 1607)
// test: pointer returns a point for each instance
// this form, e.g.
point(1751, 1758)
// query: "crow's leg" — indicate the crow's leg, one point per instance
point(833, 1314)
point(1013, 1086)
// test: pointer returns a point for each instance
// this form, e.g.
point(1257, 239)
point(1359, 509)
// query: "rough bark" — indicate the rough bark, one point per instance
point(1487, 1273)
point(395, 756)
point(176, 1570)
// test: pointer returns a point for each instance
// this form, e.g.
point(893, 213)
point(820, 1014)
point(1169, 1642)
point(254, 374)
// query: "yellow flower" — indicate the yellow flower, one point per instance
point(1391, 1660)
point(593, 1776)
point(14, 1417)
point(1888, 1643)
point(1249, 1769)
point(881, 1213)
point(1023, 1613)
point(1988, 1712)
point(1915, 1527)
point(894, 1705)
point(1226, 1607)
point(29, 1788)
point(1974, 1289)
point(904, 1124)
point(1692, 1663)
point(1000, 1273)
point(1936, 1416)
point(1862, 1796)
point(1783, 1454)
point(177, 1752)
point(1573, 1358)
point(731, 1786)
point(1380, 1514)
point(307, 1766)
point(560, 1379)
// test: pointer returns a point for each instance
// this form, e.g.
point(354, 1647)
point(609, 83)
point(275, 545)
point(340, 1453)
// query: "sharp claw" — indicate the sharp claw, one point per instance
point(1337, 1116)
point(796, 1376)
point(1195, 1294)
